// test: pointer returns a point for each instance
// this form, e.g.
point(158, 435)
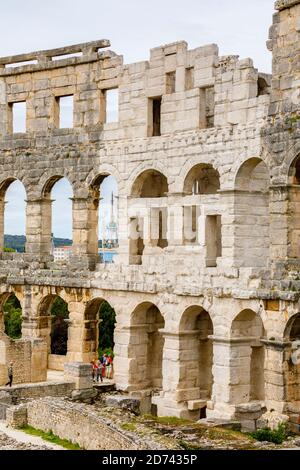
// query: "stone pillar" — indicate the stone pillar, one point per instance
point(130, 362)
point(85, 230)
point(279, 205)
point(172, 401)
point(175, 225)
point(38, 226)
point(80, 374)
point(77, 351)
point(275, 386)
point(2, 208)
point(231, 372)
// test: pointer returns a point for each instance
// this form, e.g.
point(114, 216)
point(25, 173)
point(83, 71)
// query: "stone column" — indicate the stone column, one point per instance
point(85, 230)
point(38, 226)
point(279, 204)
point(275, 386)
point(130, 362)
point(2, 208)
point(231, 372)
point(77, 350)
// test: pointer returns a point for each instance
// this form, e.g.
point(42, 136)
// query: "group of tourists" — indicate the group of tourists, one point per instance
point(102, 368)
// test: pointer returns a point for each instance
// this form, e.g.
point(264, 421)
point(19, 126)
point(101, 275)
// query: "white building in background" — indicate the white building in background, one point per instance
point(62, 253)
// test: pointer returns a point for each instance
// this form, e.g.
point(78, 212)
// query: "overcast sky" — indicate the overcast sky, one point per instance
point(133, 27)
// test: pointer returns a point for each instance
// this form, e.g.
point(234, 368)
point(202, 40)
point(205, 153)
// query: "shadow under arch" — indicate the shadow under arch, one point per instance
point(9, 223)
point(150, 183)
point(146, 347)
point(202, 179)
point(196, 358)
point(247, 329)
point(291, 364)
point(252, 215)
point(99, 326)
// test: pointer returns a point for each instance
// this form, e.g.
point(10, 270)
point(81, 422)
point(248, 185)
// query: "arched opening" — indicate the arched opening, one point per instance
point(196, 359)
point(100, 320)
point(57, 218)
point(202, 179)
point(247, 330)
point(291, 366)
point(12, 312)
point(53, 327)
point(150, 184)
point(251, 210)
point(293, 211)
point(13, 215)
point(146, 347)
point(104, 217)
point(263, 88)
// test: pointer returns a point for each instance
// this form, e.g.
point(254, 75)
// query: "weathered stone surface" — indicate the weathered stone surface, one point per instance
point(120, 401)
point(206, 281)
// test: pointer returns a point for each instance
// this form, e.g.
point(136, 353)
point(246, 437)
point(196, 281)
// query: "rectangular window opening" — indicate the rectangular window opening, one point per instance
point(190, 225)
point(65, 108)
point(136, 240)
point(154, 127)
point(18, 117)
point(213, 235)
point(171, 82)
point(66, 56)
point(189, 78)
point(21, 64)
point(110, 105)
point(207, 107)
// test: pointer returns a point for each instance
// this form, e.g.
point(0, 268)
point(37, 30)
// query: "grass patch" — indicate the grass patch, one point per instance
point(50, 437)
point(276, 437)
point(129, 427)
point(168, 420)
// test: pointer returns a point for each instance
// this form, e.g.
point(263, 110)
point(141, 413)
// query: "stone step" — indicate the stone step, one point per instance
point(105, 387)
point(194, 405)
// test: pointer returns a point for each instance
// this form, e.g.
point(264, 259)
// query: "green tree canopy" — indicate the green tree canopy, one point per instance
point(13, 317)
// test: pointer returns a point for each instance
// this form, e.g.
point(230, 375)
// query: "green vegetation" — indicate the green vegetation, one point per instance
point(59, 327)
point(13, 317)
point(50, 437)
point(129, 427)
point(277, 436)
point(106, 329)
point(168, 420)
point(9, 250)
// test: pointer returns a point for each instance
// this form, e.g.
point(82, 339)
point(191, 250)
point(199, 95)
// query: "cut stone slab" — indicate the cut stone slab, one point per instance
point(123, 402)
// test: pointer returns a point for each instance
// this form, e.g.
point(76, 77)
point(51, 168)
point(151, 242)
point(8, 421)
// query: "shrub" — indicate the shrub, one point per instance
point(277, 436)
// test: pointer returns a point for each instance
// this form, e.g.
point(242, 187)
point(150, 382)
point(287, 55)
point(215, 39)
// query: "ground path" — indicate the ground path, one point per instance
point(13, 439)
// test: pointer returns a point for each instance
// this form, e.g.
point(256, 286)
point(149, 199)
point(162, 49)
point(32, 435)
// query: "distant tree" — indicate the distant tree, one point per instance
point(9, 250)
point(59, 327)
point(13, 317)
point(106, 329)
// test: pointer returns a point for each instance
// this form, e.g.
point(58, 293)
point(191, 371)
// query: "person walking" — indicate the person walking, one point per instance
point(10, 374)
point(99, 374)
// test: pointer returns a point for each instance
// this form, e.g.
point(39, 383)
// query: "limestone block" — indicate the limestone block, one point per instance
point(80, 374)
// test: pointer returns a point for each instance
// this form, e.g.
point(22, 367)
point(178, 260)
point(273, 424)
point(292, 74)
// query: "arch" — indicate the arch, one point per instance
point(294, 171)
point(291, 363)
point(53, 326)
point(49, 183)
point(99, 320)
point(11, 316)
point(196, 357)
point(103, 216)
point(202, 179)
point(253, 175)
point(13, 197)
point(292, 329)
point(247, 330)
point(146, 347)
point(150, 183)
point(252, 214)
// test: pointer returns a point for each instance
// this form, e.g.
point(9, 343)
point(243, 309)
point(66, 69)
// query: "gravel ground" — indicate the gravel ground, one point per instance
point(8, 443)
